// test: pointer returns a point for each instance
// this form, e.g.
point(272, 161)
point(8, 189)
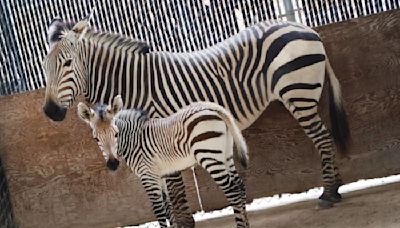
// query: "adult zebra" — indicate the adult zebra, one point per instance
point(269, 61)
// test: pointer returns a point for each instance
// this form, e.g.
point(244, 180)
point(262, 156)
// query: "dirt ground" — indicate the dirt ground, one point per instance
point(377, 207)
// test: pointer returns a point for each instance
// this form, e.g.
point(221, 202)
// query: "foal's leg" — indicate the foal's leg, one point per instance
point(153, 186)
point(239, 185)
point(181, 215)
point(168, 201)
point(215, 165)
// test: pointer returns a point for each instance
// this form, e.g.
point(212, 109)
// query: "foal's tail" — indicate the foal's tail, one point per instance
point(240, 142)
point(339, 124)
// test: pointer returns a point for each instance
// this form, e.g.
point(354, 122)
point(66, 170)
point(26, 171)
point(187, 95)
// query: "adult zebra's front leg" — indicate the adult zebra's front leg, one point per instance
point(153, 186)
point(180, 214)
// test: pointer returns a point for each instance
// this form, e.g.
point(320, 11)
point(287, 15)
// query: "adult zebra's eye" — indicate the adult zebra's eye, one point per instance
point(116, 135)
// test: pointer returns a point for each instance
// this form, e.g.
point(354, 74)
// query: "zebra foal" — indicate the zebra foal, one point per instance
point(202, 133)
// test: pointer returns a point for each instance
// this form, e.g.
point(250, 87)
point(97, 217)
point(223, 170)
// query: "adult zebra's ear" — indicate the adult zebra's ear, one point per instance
point(55, 30)
point(84, 112)
point(116, 105)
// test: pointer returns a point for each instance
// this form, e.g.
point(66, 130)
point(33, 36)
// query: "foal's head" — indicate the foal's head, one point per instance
point(105, 131)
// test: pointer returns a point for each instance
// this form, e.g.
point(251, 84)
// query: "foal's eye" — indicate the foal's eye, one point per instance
point(68, 62)
point(116, 135)
point(97, 140)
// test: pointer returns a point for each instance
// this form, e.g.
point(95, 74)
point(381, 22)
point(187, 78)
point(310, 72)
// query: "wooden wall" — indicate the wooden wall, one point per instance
point(57, 176)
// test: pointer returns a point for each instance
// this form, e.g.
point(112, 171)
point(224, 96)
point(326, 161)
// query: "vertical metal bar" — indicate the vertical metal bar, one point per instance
point(38, 31)
point(351, 9)
point(318, 12)
point(279, 10)
point(18, 35)
point(197, 189)
point(306, 12)
point(256, 9)
point(5, 63)
point(194, 26)
point(299, 11)
point(201, 17)
point(231, 12)
point(186, 25)
point(289, 10)
point(396, 4)
point(273, 10)
point(179, 33)
point(327, 11)
point(323, 12)
point(313, 18)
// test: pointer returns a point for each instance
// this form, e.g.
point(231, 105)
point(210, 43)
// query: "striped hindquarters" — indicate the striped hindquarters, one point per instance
point(242, 74)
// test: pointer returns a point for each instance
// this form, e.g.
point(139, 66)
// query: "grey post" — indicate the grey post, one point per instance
point(289, 10)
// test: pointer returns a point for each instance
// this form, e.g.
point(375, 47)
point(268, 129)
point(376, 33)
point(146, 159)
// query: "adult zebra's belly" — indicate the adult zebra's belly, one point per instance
point(243, 121)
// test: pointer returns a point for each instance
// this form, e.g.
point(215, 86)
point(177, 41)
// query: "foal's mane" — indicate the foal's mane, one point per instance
point(133, 114)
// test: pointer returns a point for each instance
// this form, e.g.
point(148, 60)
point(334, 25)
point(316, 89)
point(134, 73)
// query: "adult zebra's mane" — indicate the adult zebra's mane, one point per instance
point(106, 38)
point(58, 29)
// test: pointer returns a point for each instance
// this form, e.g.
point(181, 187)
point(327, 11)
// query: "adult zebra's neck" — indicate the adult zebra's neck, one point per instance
point(113, 65)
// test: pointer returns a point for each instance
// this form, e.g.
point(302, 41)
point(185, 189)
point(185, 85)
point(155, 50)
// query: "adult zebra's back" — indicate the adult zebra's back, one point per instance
point(269, 61)
point(243, 73)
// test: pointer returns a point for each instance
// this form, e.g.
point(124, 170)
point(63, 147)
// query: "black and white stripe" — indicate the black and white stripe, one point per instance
point(269, 61)
point(203, 133)
point(167, 25)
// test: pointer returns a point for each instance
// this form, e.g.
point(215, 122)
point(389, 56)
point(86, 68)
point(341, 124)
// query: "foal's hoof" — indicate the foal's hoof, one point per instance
point(333, 197)
point(324, 204)
point(336, 197)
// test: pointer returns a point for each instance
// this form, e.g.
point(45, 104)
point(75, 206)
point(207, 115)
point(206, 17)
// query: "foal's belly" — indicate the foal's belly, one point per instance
point(168, 167)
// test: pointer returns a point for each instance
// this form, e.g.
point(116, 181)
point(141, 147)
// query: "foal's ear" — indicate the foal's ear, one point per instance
point(84, 112)
point(80, 26)
point(116, 105)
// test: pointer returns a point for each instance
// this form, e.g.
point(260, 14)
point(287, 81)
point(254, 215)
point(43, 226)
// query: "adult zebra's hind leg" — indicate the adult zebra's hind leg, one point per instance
point(180, 214)
point(309, 119)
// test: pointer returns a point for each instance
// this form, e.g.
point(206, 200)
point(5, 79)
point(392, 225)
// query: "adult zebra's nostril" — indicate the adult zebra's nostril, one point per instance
point(54, 112)
point(112, 164)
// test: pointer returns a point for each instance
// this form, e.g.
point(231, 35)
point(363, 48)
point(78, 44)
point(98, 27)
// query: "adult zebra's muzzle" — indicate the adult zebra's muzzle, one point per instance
point(54, 111)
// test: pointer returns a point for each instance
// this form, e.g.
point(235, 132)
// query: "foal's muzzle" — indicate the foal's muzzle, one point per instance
point(112, 164)
point(53, 111)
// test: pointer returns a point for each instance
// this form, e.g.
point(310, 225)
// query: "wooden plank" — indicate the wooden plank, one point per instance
point(57, 177)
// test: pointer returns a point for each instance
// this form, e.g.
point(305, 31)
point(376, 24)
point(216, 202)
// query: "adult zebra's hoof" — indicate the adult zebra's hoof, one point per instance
point(324, 204)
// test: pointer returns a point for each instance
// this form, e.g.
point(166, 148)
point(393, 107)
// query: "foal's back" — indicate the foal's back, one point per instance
point(175, 138)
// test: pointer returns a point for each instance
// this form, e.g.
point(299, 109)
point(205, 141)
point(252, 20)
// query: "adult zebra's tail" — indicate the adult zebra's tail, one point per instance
point(339, 124)
point(239, 141)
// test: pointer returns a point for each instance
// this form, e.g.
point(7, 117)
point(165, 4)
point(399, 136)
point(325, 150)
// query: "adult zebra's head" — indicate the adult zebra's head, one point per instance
point(105, 131)
point(60, 65)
